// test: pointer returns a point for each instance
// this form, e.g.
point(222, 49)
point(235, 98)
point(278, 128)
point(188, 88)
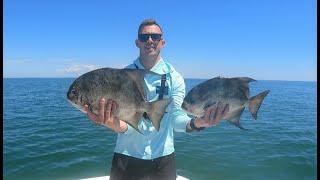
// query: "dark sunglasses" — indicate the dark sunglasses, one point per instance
point(145, 37)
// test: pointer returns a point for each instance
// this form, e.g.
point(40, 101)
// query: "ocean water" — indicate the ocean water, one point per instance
point(47, 138)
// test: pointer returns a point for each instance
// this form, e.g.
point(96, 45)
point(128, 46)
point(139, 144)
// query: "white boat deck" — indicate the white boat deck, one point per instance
point(107, 178)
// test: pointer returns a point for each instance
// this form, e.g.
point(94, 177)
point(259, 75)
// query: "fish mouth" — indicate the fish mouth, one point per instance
point(77, 106)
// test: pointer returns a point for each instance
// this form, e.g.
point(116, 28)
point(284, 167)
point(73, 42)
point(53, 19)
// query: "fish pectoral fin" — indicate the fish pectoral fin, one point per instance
point(255, 103)
point(156, 111)
point(246, 79)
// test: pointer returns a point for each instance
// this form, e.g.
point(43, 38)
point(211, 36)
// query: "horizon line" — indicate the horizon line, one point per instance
point(184, 78)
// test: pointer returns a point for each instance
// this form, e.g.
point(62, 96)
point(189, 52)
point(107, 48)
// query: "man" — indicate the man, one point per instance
point(150, 155)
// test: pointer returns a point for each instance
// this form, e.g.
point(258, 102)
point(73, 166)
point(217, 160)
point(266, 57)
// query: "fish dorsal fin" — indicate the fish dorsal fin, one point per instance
point(137, 75)
point(244, 85)
point(246, 79)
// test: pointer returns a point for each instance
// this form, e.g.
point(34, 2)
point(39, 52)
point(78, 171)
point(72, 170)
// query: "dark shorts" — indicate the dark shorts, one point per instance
point(127, 168)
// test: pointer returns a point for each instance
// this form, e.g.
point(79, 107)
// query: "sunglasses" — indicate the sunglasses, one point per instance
point(145, 37)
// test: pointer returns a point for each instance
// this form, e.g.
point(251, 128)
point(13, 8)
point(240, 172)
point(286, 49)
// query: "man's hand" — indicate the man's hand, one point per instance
point(106, 117)
point(213, 115)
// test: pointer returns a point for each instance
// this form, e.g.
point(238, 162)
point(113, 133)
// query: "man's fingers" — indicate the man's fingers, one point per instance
point(209, 110)
point(218, 114)
point(212, 114)
point(219, 110)
point(114, 110)
point(102, 103)
point(215, 112)
point(109, 109)
point(115, 107)
point(90, 115)
point(107, 113)
point(225, 109)
point(207, 113)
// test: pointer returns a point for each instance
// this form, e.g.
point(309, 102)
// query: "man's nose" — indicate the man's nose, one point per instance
point(149, 39)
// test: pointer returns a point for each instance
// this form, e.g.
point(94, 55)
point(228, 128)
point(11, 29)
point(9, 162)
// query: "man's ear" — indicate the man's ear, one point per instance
point(163, 42)
point(137, 43)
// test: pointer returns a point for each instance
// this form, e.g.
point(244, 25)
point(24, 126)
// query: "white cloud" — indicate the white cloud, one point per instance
point(17, 61)
point(78, 69)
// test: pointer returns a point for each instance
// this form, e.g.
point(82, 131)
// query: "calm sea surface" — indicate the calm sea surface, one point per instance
point(47, 138)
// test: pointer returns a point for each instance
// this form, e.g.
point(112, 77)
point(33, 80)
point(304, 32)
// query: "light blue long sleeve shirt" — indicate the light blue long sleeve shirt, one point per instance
point(152, 143)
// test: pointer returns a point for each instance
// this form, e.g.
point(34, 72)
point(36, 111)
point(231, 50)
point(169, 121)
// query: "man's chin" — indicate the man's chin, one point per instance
point(151, 53)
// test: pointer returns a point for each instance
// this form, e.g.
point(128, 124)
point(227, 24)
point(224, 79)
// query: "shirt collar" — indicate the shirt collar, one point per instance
point(159, 68)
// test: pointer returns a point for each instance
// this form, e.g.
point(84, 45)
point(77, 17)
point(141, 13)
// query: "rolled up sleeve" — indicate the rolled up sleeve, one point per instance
point(180, 118)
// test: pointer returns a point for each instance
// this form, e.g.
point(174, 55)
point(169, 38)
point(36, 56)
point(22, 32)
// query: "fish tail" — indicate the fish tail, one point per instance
point(156, 111)
point(255, 103)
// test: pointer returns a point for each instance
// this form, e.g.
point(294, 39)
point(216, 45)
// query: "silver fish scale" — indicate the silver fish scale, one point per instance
point(111, 84)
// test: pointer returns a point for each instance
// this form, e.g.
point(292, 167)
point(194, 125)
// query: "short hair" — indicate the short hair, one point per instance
point(148, 22)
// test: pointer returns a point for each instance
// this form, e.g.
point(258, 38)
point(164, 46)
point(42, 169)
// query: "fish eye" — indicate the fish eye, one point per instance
point(73, 91)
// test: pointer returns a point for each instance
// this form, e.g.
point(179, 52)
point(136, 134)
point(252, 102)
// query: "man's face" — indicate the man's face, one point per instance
point(150, 44)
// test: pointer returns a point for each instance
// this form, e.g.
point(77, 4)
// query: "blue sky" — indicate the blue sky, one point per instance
point(262, 39)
